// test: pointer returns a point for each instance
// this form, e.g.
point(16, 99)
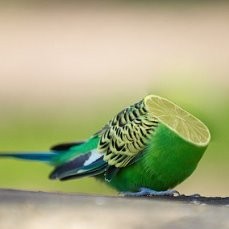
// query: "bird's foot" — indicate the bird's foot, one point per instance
point(150, 192)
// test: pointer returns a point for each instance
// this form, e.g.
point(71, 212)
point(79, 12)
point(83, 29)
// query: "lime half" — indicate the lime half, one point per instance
point(178, 120)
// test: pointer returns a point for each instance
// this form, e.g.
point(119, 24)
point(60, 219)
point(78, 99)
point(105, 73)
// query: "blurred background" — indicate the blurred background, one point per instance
point(67, 67)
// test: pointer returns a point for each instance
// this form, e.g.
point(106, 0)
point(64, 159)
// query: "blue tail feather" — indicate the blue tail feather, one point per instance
point(36, 156)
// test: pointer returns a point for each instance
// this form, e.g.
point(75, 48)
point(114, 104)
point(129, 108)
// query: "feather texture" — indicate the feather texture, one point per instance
point(84, 164)
point(126, 135)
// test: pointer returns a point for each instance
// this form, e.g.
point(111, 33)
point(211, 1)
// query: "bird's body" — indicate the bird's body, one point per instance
point(160, 168)
point(134, 150)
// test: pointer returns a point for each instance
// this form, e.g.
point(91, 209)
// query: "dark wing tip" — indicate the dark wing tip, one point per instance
point(73, 165)
point(111, 171)
point(65, 146)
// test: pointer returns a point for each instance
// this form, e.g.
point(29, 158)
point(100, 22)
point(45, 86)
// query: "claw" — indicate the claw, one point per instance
point(149, 192)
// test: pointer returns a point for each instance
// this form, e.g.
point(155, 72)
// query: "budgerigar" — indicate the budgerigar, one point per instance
point(143, 150)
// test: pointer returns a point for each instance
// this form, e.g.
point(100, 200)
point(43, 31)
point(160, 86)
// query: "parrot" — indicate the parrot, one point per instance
point(133, 153)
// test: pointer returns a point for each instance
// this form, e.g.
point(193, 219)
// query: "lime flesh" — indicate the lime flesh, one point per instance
point(178, 120)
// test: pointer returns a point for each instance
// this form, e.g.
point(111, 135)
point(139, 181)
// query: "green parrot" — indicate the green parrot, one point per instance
point(146, 149)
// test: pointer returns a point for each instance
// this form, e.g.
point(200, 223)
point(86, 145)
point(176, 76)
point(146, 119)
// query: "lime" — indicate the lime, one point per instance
point(178, 120)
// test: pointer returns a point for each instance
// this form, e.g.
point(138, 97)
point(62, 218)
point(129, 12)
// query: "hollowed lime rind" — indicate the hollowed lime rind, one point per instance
point(178, 120)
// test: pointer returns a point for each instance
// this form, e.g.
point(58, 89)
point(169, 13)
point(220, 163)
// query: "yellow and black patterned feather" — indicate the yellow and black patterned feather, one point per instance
point(126, 135)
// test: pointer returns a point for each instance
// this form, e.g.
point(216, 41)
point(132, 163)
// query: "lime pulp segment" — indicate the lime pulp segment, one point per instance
point(178, 120)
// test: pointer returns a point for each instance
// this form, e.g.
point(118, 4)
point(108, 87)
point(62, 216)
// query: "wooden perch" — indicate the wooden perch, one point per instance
point(25, 209)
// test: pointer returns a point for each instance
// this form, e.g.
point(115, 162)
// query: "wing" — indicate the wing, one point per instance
point(126, 135)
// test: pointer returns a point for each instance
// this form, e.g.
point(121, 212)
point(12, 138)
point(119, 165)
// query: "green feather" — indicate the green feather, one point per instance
point(76, 151)
point(164, 164)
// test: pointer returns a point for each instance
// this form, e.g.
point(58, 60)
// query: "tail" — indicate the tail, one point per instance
point(72, 160)
point(36, 156)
